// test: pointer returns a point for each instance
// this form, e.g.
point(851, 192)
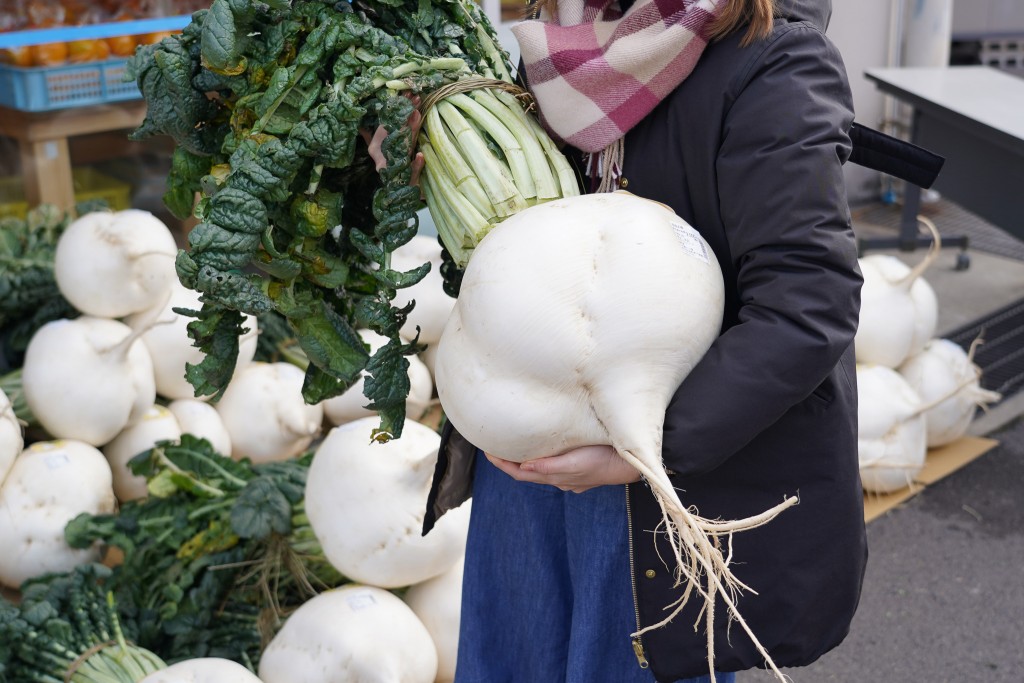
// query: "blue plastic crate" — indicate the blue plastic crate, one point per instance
point(67, 85)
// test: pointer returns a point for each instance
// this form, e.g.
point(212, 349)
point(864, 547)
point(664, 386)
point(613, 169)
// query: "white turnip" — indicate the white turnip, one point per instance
point(11, 439)
point(157, 424)
point(87, 378)
point(201, 419)
point(576, 322)
point(366, 500)
point(944, 373)
point(203, 670)
point(170, 346)
point(111, 264)
point(265, 414)
point(351, 405)
point(50, 483)
point(352, 634)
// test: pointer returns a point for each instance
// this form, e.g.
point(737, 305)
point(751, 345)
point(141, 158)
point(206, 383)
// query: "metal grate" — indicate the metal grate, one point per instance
point(1001, 355)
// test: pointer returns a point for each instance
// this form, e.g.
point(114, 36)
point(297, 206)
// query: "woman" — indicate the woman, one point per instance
point(746, 143)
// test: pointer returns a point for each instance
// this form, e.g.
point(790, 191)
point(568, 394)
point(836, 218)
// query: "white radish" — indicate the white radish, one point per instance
point(201, 419)
point(899, 310)
point(87, 378)
point(157, 424)
point(352, 634)
point(203, 670)
point(433, 306)
point(110, 264)
point(576, 322)
point(437, 602)
point(945, 374)
point(171, 348)
point(265, 414)
point(892, 433)
point(351, 405)
point(366, 501)
point(11, 439)
point(50, 483)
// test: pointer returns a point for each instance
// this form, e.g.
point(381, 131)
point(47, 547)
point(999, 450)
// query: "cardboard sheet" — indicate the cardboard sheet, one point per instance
point(940, 463)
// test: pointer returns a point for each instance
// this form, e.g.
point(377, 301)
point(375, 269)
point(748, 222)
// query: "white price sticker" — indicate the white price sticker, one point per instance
point(691, 241)
point(361, 601)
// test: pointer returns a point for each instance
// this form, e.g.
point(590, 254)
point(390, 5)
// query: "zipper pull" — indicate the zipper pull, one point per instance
point(638, 650)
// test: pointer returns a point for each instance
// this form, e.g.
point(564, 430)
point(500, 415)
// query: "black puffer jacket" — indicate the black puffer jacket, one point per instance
point(749, 149)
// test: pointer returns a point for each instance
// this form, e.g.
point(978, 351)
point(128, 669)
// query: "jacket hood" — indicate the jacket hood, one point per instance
point(816, 12)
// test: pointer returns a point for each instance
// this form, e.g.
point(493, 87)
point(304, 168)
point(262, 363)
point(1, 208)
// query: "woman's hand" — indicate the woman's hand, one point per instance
point(577, 470)
point(375, 139)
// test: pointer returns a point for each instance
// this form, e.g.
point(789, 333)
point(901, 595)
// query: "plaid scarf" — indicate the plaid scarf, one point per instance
point(596, 71)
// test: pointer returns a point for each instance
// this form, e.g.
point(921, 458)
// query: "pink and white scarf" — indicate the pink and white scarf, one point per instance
point(596, 72)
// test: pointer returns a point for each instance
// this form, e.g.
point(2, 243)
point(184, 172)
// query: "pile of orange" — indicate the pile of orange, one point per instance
point(78, 51)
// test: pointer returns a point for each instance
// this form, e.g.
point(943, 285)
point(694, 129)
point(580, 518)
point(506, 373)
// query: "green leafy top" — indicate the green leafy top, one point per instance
point(265, 102)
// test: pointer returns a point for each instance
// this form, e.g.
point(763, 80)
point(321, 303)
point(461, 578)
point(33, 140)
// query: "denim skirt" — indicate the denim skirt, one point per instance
point(547, 596)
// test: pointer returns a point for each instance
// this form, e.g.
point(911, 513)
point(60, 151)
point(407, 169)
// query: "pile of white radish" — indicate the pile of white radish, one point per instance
point(584, 341)
point(915, 391)
point(11, 439)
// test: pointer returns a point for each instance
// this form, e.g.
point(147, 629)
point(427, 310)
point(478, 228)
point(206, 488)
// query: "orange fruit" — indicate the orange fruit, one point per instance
point(16, 56)
point(49, 54)
point(82, 50)
point(150, 38)
point(122, 46)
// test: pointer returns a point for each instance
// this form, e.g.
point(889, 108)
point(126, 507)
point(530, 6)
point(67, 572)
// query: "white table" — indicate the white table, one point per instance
point(973, 116)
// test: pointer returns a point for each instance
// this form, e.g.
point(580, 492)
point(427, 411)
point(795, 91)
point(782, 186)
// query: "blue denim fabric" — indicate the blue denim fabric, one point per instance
point(547, 596)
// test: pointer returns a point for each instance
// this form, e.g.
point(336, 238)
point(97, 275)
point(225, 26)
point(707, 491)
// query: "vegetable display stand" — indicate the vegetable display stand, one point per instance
point(42, 139)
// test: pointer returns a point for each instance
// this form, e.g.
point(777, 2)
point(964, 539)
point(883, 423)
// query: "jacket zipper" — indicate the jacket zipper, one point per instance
point(638, 646)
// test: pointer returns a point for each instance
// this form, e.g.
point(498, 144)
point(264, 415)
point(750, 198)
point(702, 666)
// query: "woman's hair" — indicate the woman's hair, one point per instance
point(757, 15)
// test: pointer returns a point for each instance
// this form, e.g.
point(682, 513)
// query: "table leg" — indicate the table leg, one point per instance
point(46, 167)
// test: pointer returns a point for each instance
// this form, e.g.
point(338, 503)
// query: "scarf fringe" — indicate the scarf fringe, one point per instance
point(604, 168)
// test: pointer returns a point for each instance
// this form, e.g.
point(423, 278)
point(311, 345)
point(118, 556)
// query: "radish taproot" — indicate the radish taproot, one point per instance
point(899, 310)
point(352, 634)
point(265, 414)
point(87, 378)
point(172, 349)
point(11, 438)
point(50, 483)
point(583, 342)
point(945, 373)
point(113, 263)
point(366, 501)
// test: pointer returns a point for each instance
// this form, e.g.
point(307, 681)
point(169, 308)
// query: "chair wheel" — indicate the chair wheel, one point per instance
point(963, 261)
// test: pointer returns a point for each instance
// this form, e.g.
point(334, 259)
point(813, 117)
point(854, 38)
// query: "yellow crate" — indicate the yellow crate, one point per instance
point(89, 184)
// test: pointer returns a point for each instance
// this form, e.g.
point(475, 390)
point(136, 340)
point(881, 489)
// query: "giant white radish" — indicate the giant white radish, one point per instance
point(945, 374)
point(87, 378)
point(899, 310)
point(576, 322)
point(113, 263)
point(891, 432)
point(50, 483)
point(352, 634)
point(203, 670)
point(437, 602)
point(156, 424)
point(433, 306)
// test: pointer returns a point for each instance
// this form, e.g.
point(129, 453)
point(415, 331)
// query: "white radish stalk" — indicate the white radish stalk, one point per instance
point(265, 414)
point(899, 309)
point(11, 439)
point(111, 264)
point(50, 483)
point(157, 424)
point(576, 322)
point(172, 349)
point(366, 500)
point(201, 419)
point(87, 378)
point(945, 374)
point(352, 634)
